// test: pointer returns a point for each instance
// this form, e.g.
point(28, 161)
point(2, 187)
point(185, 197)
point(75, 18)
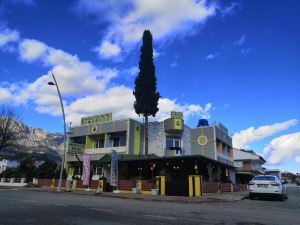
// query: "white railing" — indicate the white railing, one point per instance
point(13, 182)
point(121, 149)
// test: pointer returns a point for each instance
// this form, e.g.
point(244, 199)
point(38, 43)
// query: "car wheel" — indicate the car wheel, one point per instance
point(282, 197)
point(286, 195)
point(251, 196)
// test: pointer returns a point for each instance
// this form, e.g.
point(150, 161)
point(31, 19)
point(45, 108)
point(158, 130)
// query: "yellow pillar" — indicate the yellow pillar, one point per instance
point(161, 184)
point(52, 183)
point(100, 186)
point(195, 186)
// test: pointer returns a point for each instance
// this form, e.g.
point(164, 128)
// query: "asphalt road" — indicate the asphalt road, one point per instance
point(43, 208)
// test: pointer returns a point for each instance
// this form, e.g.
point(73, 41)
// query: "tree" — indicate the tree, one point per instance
point(146, 96)
point(10, 126)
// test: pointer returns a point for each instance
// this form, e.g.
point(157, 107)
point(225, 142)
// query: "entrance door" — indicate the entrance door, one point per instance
point(177, 185)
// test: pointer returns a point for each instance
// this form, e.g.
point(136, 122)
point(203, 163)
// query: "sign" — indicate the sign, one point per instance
point(177, 124)
point(114, 169)
point(102, 118)
point(202, 140)
point(176, 115)
point(86, 169)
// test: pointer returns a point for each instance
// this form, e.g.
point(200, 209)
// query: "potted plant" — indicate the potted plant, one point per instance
point(135, 188)
point(154, 191)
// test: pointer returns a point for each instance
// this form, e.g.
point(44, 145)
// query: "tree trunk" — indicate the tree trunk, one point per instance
point(146, 134)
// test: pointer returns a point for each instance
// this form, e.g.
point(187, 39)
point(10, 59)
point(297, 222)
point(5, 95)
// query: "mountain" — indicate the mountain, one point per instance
point(36, 141)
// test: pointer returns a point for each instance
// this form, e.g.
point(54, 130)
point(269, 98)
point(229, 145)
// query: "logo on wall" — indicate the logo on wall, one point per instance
point(202, 140)
point(94, 129)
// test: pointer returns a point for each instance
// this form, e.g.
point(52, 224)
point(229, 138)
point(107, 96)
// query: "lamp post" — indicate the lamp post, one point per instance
point(65, 133)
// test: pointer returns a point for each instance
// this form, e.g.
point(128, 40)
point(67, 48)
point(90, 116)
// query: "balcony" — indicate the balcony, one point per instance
point(107, 150)
point(75, 148)
point(225, 159)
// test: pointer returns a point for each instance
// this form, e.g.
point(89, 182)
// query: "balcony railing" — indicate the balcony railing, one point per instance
point(225, 158)
point(75, 148)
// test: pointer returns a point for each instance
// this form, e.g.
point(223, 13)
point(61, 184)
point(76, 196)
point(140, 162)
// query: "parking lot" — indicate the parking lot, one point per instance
point(36, 208)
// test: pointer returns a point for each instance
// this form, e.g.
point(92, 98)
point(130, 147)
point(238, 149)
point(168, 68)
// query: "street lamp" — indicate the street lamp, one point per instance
point(65, 132)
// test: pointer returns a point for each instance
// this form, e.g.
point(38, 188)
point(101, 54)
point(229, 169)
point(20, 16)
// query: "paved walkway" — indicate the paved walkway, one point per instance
point(211, 197)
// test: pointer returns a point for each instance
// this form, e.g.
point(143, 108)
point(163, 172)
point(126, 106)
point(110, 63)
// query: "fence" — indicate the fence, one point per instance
point(215, 187)
point(13, 182)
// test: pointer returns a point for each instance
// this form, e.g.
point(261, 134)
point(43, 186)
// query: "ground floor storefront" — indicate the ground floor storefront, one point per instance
point(171, 175)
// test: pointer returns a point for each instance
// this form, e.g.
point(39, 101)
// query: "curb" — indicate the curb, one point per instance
point(141, 198)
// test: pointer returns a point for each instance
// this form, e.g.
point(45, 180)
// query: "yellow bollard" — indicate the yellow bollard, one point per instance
point(195, 186)
point(161, 184)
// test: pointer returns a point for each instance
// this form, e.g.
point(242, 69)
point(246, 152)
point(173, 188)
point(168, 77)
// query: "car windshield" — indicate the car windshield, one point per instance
point(271, 178)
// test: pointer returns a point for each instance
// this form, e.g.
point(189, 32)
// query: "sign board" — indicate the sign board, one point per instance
point(86, 169)
point(114, 169)
point(102, 118)
point(177, 124)
point(202, 140)
point(176, 115)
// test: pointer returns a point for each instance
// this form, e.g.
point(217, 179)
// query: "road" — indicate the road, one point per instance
point(43, 208)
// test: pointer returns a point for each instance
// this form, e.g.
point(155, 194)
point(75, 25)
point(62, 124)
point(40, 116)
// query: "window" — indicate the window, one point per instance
point(99, 143)
point(271, 178)
point(116, 142)
point(173, 142)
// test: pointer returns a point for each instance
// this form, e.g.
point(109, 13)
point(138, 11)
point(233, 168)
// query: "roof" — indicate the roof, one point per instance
point(241, 154)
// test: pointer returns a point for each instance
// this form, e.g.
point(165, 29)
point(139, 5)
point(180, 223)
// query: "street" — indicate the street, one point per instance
point(43, 208)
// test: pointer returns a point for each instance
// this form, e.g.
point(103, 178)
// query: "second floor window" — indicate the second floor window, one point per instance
point(99, 143)
point(173, 142)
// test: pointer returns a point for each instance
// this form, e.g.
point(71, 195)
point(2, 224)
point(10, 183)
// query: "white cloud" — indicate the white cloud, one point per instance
point(230, 9)
point(246, 51)
point(212, 56)
point(241, 41)
point(5, 95)
point(128, 19)
point(119, 100)
point(75, 77)
point(243, 138)
point(174, 64)
point(283, 148)
point(108, 49)
point(7, 36)
point(85, 88)
point(156, 54)
point(31, 50)
point(131, 71)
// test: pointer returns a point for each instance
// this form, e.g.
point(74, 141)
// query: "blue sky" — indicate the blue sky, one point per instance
point(236, 62)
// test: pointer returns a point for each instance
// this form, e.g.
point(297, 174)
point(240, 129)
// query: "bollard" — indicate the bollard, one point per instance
point(161, 184)
point(195, 186)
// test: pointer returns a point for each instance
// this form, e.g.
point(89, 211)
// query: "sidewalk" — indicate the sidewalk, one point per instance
point(211, 197)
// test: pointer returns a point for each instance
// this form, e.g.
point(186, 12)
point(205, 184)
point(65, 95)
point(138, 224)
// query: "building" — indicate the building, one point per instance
point(248, 164)
point(175, 149)
point(274, 172)
point(8, 164)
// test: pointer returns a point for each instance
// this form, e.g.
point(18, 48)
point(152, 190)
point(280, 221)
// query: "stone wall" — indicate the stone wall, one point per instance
point(186, 144)
point(157, 138)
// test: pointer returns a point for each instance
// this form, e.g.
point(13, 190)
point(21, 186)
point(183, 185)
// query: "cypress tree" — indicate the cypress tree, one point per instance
point(146, 96)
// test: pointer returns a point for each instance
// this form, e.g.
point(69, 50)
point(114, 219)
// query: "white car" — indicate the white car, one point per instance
point(267, 185)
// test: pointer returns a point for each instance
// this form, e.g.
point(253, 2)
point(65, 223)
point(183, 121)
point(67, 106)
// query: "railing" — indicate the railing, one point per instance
point(106, 150)
point(75, 148)
point(225, 158)
point(13, 182)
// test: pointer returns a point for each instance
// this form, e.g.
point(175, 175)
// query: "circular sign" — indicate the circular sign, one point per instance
point(202, 140)
point(94, 129)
